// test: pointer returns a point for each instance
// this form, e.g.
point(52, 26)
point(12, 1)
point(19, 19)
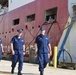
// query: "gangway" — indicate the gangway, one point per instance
point(63, 50)
point(72, 13)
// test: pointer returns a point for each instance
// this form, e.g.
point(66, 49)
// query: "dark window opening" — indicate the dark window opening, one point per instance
point(32, 27)
point(16, 21)
point(9, 31)
point(74, 12)
point(3, 6)
point(74, 7)
point(5, 36)
point(3, 33)
point(6, 32)
point(26, 27)
point(30, 18)
point(50, 15)
point(39, 26)
point(12, 29)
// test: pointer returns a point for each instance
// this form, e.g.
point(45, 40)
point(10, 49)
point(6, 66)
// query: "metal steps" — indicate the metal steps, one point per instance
point(68, 64)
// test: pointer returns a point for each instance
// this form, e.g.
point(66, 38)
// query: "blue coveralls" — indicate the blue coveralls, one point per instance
point(42, 44)
point(18, 48)
point(0, 49)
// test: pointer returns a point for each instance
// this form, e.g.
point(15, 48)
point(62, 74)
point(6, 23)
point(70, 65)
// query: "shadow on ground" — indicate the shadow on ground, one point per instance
point(16, 73)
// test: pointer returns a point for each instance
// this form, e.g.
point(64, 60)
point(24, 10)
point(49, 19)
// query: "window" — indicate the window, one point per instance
point(30, 18)
point(12, 29)
point(6, 32)
point(74, 8)
point(74, 13)
point(26, 27)
point(50, 15)
point(32, 27)
point(9, 31)
point(3, 33)
point(5, 36)
point(39, 26)
point(16, 21)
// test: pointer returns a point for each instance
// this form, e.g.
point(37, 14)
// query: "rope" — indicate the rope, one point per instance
point(35, 36)
point(59, 32)
point(48, 32)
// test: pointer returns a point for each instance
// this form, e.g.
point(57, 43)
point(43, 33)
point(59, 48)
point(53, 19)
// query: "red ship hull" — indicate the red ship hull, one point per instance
point(30, 29)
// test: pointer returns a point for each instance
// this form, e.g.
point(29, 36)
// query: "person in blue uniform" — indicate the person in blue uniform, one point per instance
point(1, 48)
point(18, 51)
point(43, 49)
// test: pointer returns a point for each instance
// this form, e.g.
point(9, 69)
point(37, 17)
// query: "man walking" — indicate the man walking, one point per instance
point(44, 49)
point(1, 48)
point(18, 51)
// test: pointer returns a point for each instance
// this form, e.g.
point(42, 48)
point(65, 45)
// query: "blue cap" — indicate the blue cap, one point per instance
point(19, 30)
point(42, 28)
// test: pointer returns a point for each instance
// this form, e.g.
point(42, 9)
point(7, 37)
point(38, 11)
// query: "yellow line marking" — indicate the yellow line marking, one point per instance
point(4, 74)
point(1, 73)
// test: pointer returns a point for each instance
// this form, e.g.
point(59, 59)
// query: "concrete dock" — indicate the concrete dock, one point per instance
point(32, 69)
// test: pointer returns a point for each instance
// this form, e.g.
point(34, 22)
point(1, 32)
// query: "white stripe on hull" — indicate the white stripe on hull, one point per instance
point(14, 4)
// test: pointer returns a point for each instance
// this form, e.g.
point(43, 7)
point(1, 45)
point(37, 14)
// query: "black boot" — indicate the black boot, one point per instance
point(19, 73)
point(41, 72)
point(12, 71)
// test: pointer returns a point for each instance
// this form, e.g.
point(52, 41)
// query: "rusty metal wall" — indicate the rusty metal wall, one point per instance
point(7, 30)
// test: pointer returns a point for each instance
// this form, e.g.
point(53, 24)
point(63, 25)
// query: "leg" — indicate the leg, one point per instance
point(21, 59)
point(0, 53)
point(14, 61)
point(41, 62)
point(46, 60)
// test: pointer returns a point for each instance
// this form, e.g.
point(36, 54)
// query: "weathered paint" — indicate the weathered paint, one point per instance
point(38, 7)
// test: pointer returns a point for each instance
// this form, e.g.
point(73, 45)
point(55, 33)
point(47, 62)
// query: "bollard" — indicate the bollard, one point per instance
point(55, 57)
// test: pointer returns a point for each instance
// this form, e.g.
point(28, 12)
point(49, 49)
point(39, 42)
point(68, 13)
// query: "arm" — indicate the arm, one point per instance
point(1, 44)
point(2, 47)
point(23, 48)
point(49, 45)
point(12, 49)
point(35, 46)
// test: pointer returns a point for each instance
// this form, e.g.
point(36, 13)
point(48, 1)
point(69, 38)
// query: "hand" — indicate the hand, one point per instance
point(2, 51)
point(49, 54)
point(35, 53)
point(13, 52)
point(23, 53)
